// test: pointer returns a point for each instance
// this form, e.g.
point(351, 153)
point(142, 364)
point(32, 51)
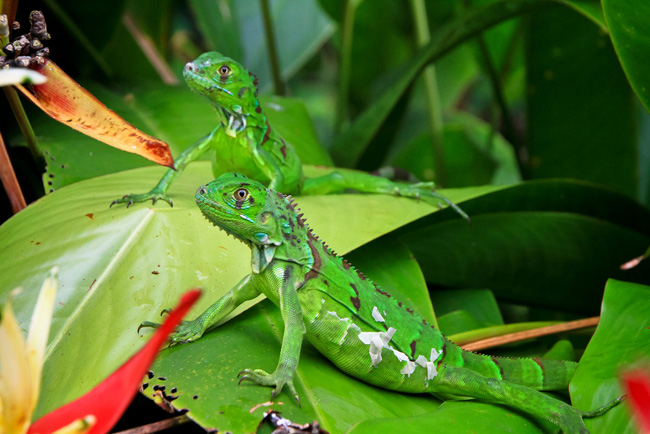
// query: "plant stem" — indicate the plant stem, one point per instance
point(500, 100)
point(157, 426)
point(431, 93)
point(270, 45)
point(509, 131)
point(150, 51)
point(23, 121)
point(342, 112)
point(9, 180)
point(529, 334)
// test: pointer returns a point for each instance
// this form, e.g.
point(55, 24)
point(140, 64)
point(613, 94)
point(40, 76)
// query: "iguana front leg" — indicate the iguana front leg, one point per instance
point(189, 331)
point(294, 329)
point(159, 191)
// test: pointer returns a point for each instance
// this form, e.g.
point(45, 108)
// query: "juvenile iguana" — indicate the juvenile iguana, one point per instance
point(361, 328)
point(245, 142)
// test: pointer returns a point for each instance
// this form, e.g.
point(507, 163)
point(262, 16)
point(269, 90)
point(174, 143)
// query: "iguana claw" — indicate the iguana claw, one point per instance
point(426, 191)
point(153, 325)
point(186, 331)
point(277, 380)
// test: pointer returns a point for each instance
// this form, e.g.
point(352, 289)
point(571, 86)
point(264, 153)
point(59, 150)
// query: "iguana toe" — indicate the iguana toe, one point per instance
point(426, 191)
point(153, 195)
point(145, 324)
point(277, 380)
point(186, 331)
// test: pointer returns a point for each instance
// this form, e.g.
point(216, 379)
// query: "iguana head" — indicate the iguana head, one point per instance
point(246, 209)
point(226, 84)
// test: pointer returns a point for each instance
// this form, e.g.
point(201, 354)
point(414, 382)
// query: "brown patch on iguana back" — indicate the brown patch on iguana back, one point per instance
point(356, 302)
point(312, 242)
point(283, 148)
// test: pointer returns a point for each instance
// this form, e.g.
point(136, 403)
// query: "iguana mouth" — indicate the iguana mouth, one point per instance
point(248, 243)
point(217, 208)
point(202, 81)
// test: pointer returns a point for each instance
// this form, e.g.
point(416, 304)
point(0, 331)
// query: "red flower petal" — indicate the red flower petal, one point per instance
point(120, 387)
point(637, 383)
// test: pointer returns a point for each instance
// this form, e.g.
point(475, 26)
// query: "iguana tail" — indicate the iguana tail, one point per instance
point(539, 374)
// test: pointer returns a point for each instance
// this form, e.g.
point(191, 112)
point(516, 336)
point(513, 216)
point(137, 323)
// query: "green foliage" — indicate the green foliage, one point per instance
point(456, 418)
point(531, 246)
point(625, 20)
point(530, 90)
point(572, 87)
point(623, 301)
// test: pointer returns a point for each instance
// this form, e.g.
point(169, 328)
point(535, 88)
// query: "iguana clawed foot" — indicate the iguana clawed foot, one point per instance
point(426, 191)
point(277, 380)
point(153, 195)
point(186, 331)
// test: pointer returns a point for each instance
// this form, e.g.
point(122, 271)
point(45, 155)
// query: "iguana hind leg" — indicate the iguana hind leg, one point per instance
point(366, 183)
point(456, 382)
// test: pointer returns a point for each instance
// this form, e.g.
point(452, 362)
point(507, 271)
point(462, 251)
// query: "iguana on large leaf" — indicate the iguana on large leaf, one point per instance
point(361, 328)
point(245, 142)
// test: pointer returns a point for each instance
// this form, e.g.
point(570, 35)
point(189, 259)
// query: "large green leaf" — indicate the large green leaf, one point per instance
point(549, 243)
point(455, 418)
point(590, 9)
point(122, 266)
point(581, 111)
point(627, 22)
point(620, 341)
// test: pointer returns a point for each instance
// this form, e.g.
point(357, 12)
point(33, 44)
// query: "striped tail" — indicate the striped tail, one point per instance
point(539, 374)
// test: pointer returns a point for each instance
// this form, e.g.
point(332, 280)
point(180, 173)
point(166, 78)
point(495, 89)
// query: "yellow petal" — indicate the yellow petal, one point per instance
point(79, 426)
point(2, 418)
point(15, 381)
point(39, 330)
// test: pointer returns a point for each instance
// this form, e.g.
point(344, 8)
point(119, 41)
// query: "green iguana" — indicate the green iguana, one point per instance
point(245, 142)
point(361, 328)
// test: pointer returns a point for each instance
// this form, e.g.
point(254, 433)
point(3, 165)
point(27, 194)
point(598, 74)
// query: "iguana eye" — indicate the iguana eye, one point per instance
point(224, 70)
point(240, 194)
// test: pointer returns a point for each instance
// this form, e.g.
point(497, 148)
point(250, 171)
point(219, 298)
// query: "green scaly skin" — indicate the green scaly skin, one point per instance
point(361, 328)
point(245, 142)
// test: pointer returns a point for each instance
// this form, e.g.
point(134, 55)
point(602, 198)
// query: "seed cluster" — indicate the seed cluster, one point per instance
point(27, 49)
